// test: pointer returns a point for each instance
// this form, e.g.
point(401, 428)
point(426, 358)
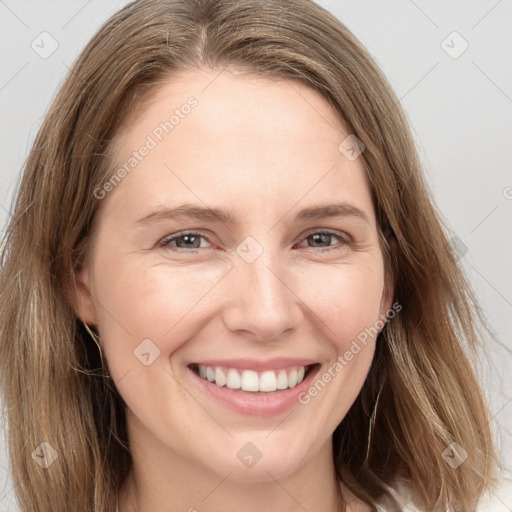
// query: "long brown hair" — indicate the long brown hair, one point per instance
point(421, 394)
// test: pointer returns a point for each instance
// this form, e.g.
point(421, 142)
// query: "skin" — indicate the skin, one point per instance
point(264, 149)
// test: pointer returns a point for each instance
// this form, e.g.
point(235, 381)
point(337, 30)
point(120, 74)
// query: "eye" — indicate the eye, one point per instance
point(190, 241)
point(325, 237)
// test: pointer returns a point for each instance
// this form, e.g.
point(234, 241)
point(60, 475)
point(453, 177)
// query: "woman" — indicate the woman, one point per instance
point(172, 338)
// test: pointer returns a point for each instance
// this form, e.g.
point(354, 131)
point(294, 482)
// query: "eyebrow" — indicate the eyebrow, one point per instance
point(226, 216)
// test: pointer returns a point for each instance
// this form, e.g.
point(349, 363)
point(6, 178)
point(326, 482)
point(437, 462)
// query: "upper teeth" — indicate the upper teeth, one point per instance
point(250, 380)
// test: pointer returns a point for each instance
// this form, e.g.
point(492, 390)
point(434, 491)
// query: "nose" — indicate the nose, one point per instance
point(262, 301)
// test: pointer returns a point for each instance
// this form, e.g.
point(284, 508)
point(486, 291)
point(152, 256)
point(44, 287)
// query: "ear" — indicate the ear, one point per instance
point(81, 297)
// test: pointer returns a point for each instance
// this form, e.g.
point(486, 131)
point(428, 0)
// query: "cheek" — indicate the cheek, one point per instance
point(346, 299)
point(169, 303)
point(163, 303)
point(146, 313)
point(347, 306)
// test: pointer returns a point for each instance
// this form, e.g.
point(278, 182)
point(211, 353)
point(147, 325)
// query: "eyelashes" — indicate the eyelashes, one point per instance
point(318, 236)
point(166, 242)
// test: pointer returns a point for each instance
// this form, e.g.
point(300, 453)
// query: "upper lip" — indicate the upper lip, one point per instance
point(275, 363)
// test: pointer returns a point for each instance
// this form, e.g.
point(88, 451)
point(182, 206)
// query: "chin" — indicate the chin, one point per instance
point(251, 464)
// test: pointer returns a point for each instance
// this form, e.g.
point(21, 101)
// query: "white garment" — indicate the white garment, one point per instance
point(497, 500)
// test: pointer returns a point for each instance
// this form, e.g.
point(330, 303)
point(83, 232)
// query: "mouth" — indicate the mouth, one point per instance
point(251, 380)
point(252, 388)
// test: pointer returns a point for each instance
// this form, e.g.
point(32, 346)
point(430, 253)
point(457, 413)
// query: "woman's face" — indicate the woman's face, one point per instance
point(262, 289)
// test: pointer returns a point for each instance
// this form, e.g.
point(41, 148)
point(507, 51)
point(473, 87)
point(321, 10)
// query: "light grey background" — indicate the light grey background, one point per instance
point(459, 106)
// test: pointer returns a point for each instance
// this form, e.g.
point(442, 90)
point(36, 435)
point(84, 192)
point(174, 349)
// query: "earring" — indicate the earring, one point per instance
point(96, 340)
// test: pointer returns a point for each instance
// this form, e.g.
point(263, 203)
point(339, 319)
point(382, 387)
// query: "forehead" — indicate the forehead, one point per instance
point(218, 135)
point(240, 103)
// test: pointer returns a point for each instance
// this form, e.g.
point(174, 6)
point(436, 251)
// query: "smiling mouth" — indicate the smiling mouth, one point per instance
point(251, 380)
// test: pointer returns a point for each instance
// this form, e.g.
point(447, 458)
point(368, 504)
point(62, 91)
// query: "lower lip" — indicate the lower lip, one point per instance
point(252, 403)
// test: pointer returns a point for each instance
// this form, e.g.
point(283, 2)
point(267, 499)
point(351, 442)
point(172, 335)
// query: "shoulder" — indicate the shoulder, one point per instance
point(497, 499)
